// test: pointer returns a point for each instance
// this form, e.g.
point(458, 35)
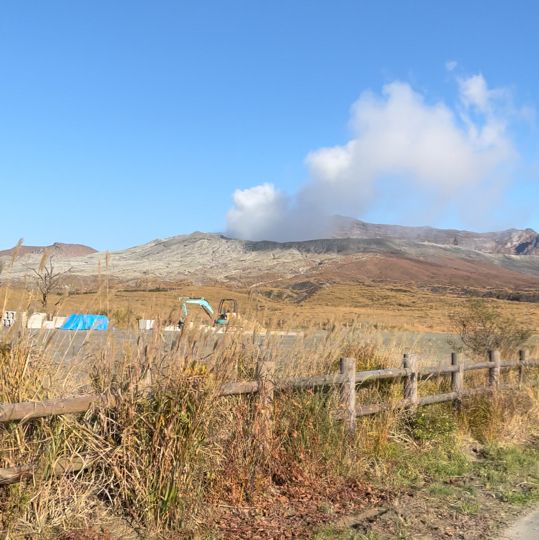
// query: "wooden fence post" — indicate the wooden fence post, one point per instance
point(347, 367)
point(457, 377)
point(410, 381)
point(265, 375)
point(494, 371)
point(522, 359)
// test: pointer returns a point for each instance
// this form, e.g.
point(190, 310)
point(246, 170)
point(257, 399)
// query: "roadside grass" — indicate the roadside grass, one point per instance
point(512, 473)
point(166, 459)
point(509, 473)
point(452, 477)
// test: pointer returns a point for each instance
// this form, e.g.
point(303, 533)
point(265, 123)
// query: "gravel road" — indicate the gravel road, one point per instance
point(431, 347)
point(526, 528)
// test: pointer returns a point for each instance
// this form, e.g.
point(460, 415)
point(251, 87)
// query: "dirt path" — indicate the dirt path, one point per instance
point(526, 528)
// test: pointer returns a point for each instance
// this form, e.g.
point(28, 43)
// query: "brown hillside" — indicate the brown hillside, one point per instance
point(446, 271)
point(58, 249)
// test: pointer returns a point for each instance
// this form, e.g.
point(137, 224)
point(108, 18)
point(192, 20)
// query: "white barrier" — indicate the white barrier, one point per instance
point(146, 324)
point(58, 322)
point(36, 320)
point(172, 328)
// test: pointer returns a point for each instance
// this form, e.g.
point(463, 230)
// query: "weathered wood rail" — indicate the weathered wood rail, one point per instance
point(346, 377)
point(347, 380)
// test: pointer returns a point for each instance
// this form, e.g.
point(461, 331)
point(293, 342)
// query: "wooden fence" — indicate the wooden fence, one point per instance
point(266, 385)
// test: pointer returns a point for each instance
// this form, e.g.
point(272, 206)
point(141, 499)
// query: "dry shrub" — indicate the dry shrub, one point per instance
point(308, 433)
point(308, 442)
point(238, 477)
point(56, 504)
point(23, 377)
point(368, 355)
point(482, 328)
point(20, 375)
point(377, 432)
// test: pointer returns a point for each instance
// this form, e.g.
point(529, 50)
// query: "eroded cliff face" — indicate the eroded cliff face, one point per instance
point(522, 243)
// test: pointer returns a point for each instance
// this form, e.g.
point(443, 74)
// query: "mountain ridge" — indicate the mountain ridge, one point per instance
point(508, 241)
point(408, 255)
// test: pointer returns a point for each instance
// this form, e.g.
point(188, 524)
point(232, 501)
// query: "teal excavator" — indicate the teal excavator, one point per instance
point(228, 308)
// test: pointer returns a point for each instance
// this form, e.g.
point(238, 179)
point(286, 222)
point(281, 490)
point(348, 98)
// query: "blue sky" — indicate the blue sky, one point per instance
point(125, 121)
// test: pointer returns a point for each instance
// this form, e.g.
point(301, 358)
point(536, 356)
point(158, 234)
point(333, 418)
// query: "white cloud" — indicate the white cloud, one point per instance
point(256, 210)
point(400, 134)
point(474, 92)
point(443, 155)
point(450, 65)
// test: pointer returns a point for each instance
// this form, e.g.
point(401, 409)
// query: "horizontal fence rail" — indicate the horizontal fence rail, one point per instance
point(266, 385)
point(78, 404)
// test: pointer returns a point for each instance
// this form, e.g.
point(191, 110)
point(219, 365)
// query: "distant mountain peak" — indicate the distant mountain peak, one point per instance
point(57, 249)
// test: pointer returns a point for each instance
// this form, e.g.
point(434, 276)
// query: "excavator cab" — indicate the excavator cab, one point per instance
point(228, 309)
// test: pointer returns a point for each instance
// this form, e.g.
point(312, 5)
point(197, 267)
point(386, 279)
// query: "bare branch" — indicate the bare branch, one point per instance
point(47, 278)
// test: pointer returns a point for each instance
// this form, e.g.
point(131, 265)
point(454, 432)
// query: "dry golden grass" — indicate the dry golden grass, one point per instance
point(382, 305)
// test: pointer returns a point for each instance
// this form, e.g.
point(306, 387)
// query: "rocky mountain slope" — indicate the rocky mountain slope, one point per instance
point(509, 242)
point(203, 258)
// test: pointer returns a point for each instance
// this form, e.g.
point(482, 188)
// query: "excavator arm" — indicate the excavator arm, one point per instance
point(227, 308)
point(202, 302)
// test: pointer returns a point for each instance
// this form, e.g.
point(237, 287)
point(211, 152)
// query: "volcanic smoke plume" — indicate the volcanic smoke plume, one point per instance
point(405, 153)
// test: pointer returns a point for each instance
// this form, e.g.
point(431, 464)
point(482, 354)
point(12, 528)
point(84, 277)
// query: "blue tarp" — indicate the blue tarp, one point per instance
point(78, 321)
